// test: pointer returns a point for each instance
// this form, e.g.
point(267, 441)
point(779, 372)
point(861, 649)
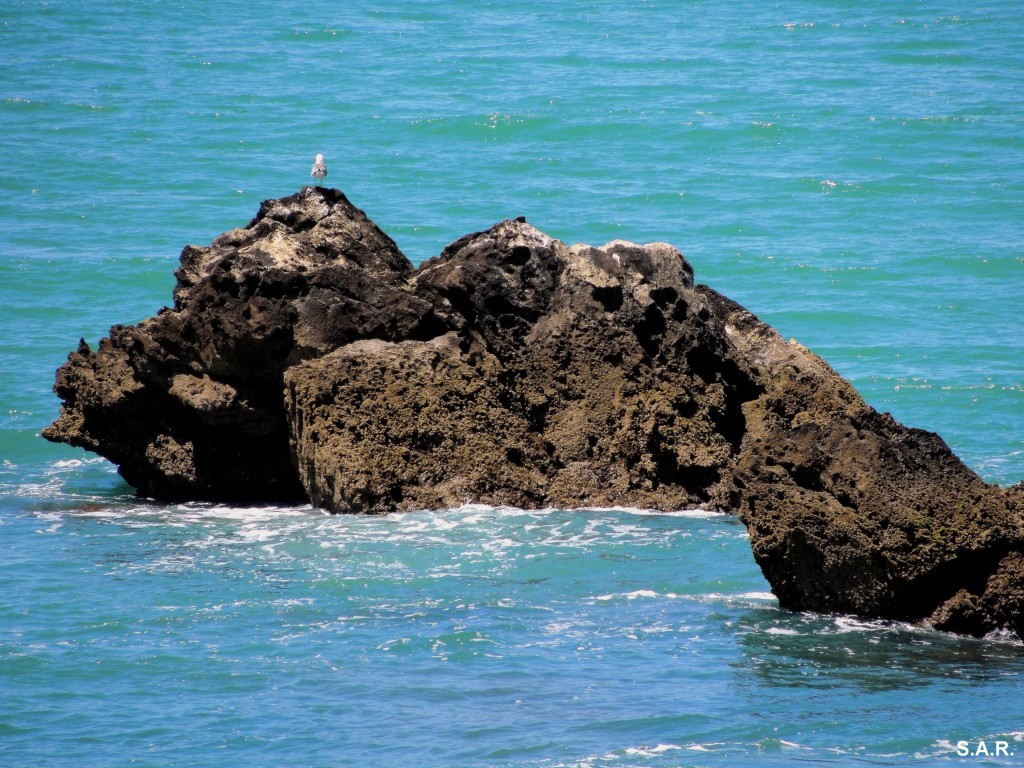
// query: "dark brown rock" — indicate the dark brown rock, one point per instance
point(514, 369)
point(849, 511)
point(564, 383)
point(188, 403)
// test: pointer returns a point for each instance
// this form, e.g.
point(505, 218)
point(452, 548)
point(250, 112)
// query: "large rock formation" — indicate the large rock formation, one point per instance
point(188, 403)
point(849, 511)
point(570, 377)
point(305, 356)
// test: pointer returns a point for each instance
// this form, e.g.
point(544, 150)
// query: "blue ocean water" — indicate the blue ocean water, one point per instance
point(852, 172)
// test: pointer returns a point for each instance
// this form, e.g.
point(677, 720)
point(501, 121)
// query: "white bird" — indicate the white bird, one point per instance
point(319, 169)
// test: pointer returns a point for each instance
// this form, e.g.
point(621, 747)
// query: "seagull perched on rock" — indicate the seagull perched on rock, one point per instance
point(319, 169)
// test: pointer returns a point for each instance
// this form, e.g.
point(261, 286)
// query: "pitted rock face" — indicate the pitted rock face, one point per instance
point(188, 403)
point(579, 408)
point(304, 357)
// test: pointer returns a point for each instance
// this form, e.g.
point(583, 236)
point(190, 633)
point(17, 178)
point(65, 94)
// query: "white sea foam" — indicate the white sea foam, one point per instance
point(88, 461)
point(47, 490)
point(759, 596)
point(637, 593)
point(698, 513)
point(781, 631)
point(712, 747)
point(752, 599)
point(844, 624)
point(1004, 636)
point(640, 593)
point(102, 513)
point(67, 463)
point(209, 512)
point(652, 751)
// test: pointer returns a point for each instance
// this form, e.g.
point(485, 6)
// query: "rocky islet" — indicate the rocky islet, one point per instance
point(305, 357)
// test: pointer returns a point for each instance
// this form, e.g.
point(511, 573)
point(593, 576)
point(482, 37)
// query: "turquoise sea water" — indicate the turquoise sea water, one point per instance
point(852, 172)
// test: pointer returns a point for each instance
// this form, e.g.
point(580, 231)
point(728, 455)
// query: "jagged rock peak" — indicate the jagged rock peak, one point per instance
point(312, 229)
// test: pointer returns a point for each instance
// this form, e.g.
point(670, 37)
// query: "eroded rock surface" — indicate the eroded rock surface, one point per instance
point(850, 512)
point(304, 356)
point(188, 403)
point(571, 377)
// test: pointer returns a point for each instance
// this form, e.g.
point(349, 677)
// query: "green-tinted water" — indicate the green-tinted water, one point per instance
point(851, 172)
